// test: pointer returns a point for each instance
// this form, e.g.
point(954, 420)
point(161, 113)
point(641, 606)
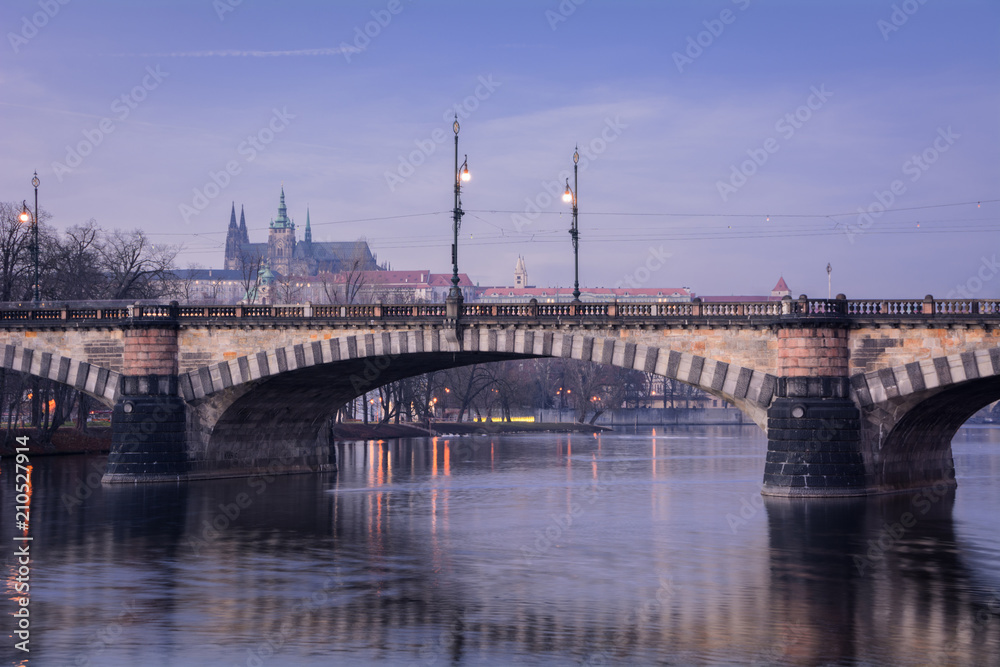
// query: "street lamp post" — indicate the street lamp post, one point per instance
point(461, 175)
point(570, 198)
point(829, 281)
point(25, 217)
point(35, 182)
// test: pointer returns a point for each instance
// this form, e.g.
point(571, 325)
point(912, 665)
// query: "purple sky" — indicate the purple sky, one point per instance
point(718, 165)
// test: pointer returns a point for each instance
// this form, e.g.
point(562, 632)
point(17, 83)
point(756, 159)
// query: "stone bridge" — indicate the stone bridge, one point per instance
point(856, 396)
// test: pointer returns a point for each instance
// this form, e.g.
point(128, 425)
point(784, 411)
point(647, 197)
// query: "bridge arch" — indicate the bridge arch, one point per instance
point(279, 400)
point(102, 384)
point(911, 413)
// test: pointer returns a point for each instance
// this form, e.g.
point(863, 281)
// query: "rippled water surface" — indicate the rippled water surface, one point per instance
point(542, 549)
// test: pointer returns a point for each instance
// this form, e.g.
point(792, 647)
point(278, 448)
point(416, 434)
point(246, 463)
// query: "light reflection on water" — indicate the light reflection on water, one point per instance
point(551, 549)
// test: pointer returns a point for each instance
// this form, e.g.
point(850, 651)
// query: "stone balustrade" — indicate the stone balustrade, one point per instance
point(892, 309)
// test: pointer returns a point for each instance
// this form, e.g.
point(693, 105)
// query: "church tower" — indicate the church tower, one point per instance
point(281, 240)
point(781, 289)
point(520, 273)
point(233, 242)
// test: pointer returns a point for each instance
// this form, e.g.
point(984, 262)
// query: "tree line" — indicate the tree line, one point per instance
point(84, 262)
point(499, 390)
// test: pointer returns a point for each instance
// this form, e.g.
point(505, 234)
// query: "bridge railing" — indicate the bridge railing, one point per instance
point(881, 307)
point(118, 312)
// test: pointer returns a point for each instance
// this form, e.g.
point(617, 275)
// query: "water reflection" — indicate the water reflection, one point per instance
point(866, 580)
point(542, 549)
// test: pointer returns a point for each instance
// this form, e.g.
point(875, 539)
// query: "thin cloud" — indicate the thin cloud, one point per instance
point(234, 53)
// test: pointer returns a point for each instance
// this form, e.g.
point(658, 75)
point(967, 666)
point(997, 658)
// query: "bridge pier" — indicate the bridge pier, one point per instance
point(149, 420)
point(148, 442)
point(158, 436)
point(814, 440)
point(813, 426)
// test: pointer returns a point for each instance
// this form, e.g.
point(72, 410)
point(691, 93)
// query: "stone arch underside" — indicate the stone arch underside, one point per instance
point(272, 402)
point(912, 412)
point(100, 383)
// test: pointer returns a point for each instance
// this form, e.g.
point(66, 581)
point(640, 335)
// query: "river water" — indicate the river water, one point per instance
point(647, 548)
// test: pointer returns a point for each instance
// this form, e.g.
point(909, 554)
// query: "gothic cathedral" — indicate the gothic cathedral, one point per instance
point(285, 256)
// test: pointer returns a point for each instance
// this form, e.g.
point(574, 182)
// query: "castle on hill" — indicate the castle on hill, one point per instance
point(285, 255)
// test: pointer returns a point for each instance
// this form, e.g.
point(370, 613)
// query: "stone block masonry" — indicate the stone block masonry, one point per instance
point(149, 421)
point(809, 352)
point(813, 426)
point(150, 351)
point(148, 441)
point(814, 448)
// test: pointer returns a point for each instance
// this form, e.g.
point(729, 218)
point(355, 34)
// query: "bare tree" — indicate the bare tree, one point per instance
point(134, 267)
point(250, 265)
point(353, 270)
point(328, 283)
point(287, 289)
point(75, 264)
point(467, 383)
point(15, 254)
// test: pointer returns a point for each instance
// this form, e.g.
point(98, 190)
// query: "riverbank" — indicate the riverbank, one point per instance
point(96, 440)
point(388, 431)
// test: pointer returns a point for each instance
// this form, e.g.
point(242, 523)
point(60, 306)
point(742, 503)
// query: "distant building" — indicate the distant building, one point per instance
point(390, 287)
point(230, 286)
point(286, 256)
point(209, 286)
point(520, 273)
point(777, 294)
point(521, 292)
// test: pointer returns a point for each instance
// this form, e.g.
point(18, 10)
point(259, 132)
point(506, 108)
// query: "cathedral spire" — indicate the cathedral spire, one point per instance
point(232, 242)
point(243, 227)
point(309, 233)
point(282, 220)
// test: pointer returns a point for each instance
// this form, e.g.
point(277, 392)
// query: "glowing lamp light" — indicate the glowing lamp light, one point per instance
point(465, 175)
point(25, 216)
point(568, 195)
